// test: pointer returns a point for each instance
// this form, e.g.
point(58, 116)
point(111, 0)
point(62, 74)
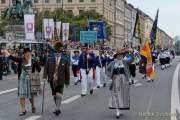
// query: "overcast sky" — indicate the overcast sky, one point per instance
point(169, 14)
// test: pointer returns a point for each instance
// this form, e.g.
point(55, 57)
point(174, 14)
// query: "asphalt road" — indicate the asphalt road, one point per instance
point(149, 101)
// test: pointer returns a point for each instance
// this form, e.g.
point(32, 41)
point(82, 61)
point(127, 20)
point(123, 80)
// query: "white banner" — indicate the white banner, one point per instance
point(29, 27)
point(65, 31)
point(58, 28)
point(48, 28)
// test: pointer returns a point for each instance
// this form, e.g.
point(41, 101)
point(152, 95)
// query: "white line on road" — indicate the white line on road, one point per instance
point(10, 78)
point(14, 89)
point(33, 118)
point(71, 99)
point(8, 91)
point(151, 98)
point(138, 84)
point(175, 102)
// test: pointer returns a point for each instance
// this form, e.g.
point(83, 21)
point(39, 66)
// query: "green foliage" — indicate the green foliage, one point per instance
point(2, 25)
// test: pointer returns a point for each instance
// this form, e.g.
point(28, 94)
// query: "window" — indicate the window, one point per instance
point(3, 1)
point(36, 1)
point(58, 1)
point(93, 10)
point(1, 13)
point(69, 1)
point(81, 11)
point(46, 1)
point(70, 11)
point(81, 0)
point(93, 0)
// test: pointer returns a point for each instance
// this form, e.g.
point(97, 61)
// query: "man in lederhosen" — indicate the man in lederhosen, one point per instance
point(58, 74)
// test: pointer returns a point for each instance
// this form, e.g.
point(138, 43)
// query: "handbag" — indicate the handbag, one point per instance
point(35, 82)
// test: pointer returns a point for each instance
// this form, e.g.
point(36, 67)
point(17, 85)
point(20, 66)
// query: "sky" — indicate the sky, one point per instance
point(169, 13)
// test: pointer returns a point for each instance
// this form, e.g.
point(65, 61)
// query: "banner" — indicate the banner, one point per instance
point(29, 27)
point(58, 28)
point(48, 28)
point(88, 36)
point(100, 27)
point(65, 31)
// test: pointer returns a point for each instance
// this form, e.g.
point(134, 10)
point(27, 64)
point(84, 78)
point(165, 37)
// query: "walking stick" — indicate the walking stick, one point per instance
point(43, 98)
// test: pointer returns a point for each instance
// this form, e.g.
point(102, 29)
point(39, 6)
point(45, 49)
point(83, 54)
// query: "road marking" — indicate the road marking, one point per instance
point(175, 102)
point(33, 118)
point(9, 78)
point(71, 99)
point(138, 84)
point(151, 98)
point(8, 91)
point(136, 81)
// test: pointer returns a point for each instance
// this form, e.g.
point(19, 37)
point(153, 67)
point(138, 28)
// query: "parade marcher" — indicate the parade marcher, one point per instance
point(101, 60)
point(86, 65)
point(75, 67)
point(98, 70)
point(59, 75)
point(35, 76)
point(154, 57)
point(1, 64)
point(162, 59)
point(24, 82)
point(142, 66)
point(118, 70)
point(110, 57)
point(132, 66)
point(104, 60)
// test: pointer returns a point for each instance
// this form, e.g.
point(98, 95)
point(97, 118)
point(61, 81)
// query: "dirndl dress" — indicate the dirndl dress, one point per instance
point(120, 93)
point(24, 83)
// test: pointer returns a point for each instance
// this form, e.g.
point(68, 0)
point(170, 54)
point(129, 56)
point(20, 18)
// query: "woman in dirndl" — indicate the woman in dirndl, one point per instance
point(118, 70)
point(24, 81)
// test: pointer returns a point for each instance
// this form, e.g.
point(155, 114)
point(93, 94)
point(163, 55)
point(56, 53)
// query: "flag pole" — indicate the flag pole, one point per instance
point(42, 109)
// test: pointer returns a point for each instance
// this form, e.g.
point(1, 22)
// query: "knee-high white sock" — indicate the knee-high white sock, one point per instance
point(58, 101)
point(117, 112)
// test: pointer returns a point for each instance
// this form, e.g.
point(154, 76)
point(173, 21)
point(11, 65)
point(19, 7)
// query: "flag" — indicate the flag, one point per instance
point(137, 28)
point(65, 31)
point(29, 26)
point(146, 52)
point(154, 31)
point(48, 28)
point(58, 28)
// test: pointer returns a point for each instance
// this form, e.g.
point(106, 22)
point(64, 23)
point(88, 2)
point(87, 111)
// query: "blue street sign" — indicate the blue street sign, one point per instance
point(100, 27)
point(88, 36)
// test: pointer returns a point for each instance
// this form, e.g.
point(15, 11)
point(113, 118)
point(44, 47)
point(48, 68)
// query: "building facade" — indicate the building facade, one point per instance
point(148, 27)
point(128, 23)
point(142, 17)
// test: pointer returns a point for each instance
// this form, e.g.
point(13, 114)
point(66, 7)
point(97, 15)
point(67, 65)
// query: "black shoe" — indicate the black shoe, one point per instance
point(117, 116)
point(104, 85)
point(75, 83)
point(132, 82)
point(91, 91)
point(98, 86)
point(57, 112)
point(33, 110)
point(82, 95)
point(22, 113)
